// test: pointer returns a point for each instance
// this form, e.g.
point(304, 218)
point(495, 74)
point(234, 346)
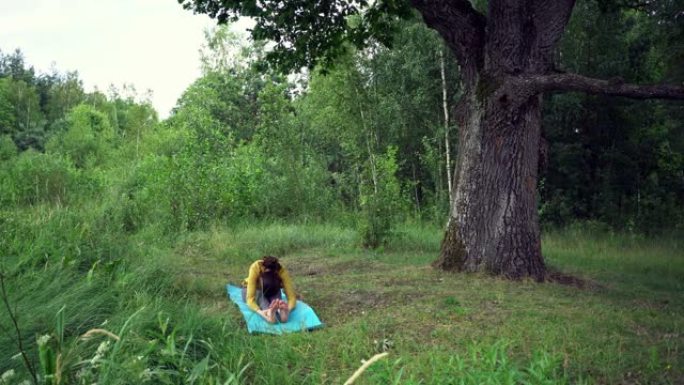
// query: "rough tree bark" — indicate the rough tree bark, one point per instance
point(506, 62)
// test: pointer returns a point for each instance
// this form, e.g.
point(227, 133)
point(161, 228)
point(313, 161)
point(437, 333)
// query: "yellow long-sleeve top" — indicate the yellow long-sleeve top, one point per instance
point(252, 283)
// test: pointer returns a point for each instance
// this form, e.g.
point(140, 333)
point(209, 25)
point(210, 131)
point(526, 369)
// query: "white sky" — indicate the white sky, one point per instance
point(152, 44)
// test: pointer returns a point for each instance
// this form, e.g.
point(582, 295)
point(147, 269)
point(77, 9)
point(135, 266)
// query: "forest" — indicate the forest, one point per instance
point(119, 230)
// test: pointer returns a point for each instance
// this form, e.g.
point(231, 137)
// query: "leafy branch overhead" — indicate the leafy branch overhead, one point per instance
point(510, 38)
point(307, 33)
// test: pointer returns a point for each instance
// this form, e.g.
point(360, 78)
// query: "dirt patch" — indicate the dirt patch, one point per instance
point(361, 299)
point(350, 301)
point(555, 276)
point(327, 266)
point(301, 268)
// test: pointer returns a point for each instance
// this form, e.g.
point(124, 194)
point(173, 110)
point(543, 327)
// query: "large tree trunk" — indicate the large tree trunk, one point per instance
point(506, 60)
point(493, 224)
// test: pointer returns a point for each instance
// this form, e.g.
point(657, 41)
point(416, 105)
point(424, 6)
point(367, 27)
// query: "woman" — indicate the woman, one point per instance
point(261, 290)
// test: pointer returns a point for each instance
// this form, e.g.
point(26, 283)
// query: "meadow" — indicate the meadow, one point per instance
point(119, 230)
point(614, 314)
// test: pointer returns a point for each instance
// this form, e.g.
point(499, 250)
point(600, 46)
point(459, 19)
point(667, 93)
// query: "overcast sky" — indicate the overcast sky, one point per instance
point(152, 44)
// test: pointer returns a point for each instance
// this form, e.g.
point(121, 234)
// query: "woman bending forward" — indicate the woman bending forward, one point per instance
point(261, 290)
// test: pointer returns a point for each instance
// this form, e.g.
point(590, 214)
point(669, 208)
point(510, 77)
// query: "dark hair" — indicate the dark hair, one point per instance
point(270, 280)
point(271, 284)
point(271, 263)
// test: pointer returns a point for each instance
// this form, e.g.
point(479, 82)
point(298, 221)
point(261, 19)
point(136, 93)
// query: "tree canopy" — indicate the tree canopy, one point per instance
point(307, 33)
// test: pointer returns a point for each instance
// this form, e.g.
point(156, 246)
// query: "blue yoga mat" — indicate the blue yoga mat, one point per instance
point(301, 318)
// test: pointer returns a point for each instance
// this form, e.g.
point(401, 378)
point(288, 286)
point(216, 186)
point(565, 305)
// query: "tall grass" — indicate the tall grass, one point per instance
point(630, 260)
point(166, 302)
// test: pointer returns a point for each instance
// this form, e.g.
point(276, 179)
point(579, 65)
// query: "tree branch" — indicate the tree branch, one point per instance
point(508, 35)
point(614, 87)
point(461, 26)
point(522, 34)
point(550, 20)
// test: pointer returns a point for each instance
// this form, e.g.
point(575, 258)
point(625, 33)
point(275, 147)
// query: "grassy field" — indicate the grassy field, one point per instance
point(620, 321)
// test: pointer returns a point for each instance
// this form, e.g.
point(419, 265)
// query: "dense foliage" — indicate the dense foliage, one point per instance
point(93, 187)
point(611, 159)
point(245, 143)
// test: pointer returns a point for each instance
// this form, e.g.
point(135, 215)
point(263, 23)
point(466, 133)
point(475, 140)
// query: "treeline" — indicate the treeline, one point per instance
point(368, 142)
point(616, 160)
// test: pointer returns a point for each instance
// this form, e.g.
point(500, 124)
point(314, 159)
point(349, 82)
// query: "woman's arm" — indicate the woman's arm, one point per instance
point(252, 279)
point(289, 288)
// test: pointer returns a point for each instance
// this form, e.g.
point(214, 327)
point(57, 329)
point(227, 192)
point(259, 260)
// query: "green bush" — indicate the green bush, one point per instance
point(294, 190)
point(45, 236)
point(34, 178)
point(87, 140)
point(382, 203)
point(204, 176)
point(208, 178)
point(8, 149)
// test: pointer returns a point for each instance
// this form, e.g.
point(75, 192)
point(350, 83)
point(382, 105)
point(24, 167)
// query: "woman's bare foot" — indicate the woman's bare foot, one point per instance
point(283, 311)
point(268, 314)
point(284, 314)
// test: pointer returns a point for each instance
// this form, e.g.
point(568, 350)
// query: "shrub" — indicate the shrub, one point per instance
point(87, 139)
point(8, 149)
point(381, 200)
point(34, 178)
